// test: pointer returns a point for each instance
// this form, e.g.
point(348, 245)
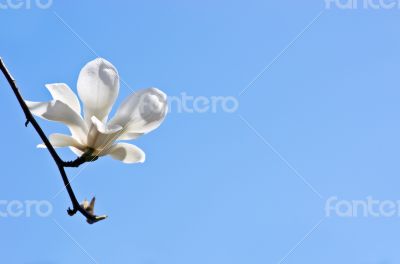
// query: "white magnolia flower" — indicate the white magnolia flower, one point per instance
point(98, 86)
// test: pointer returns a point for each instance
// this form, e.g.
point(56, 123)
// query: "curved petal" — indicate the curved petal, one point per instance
point(77, 152)
point(61, 92)
point(126, 153)
point(61, 140)
point(98, 87)
point(141, 112)
point(101, 137)
point(60, 112)
point(129, 136)
point(56, 143)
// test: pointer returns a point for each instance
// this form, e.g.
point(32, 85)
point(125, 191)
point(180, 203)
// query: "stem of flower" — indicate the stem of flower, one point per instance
point(86, 157)
point(61, 165)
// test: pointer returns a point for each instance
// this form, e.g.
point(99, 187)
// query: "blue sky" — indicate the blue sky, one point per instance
point(248, 186)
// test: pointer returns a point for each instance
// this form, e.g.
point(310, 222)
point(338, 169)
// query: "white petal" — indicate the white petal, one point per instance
point(60, 112)
point(73, 149)
point(129, 136)
point(98, 86)
point(61, 140)
point(76, 151)
point(104, 129)
point(61, 92)
point(141, 112)
point(101, 137)
point(126, 153)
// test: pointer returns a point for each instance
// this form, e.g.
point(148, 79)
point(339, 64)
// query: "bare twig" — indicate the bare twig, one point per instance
point(61, 165)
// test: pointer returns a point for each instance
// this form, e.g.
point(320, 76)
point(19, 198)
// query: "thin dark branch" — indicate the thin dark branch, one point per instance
point(61, 165)
point(86, 157)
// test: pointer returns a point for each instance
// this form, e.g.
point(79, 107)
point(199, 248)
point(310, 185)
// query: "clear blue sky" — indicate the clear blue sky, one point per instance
point(216, 188)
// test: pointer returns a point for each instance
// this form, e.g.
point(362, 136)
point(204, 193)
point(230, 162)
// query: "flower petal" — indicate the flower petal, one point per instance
point(126, 153)
point(61, 92)
point(60, 112)
point(129, 136)
point(77, 151)
point(98, 87)
point(141, 112)
point(101, 137)
point(61, 140)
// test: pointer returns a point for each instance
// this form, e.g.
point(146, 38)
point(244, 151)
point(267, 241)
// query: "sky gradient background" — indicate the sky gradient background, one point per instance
point(231, 188)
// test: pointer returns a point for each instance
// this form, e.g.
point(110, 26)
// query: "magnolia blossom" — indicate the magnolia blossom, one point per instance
point(98, 87)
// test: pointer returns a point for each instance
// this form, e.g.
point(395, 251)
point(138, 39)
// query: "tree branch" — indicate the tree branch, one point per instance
point(61, 165)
